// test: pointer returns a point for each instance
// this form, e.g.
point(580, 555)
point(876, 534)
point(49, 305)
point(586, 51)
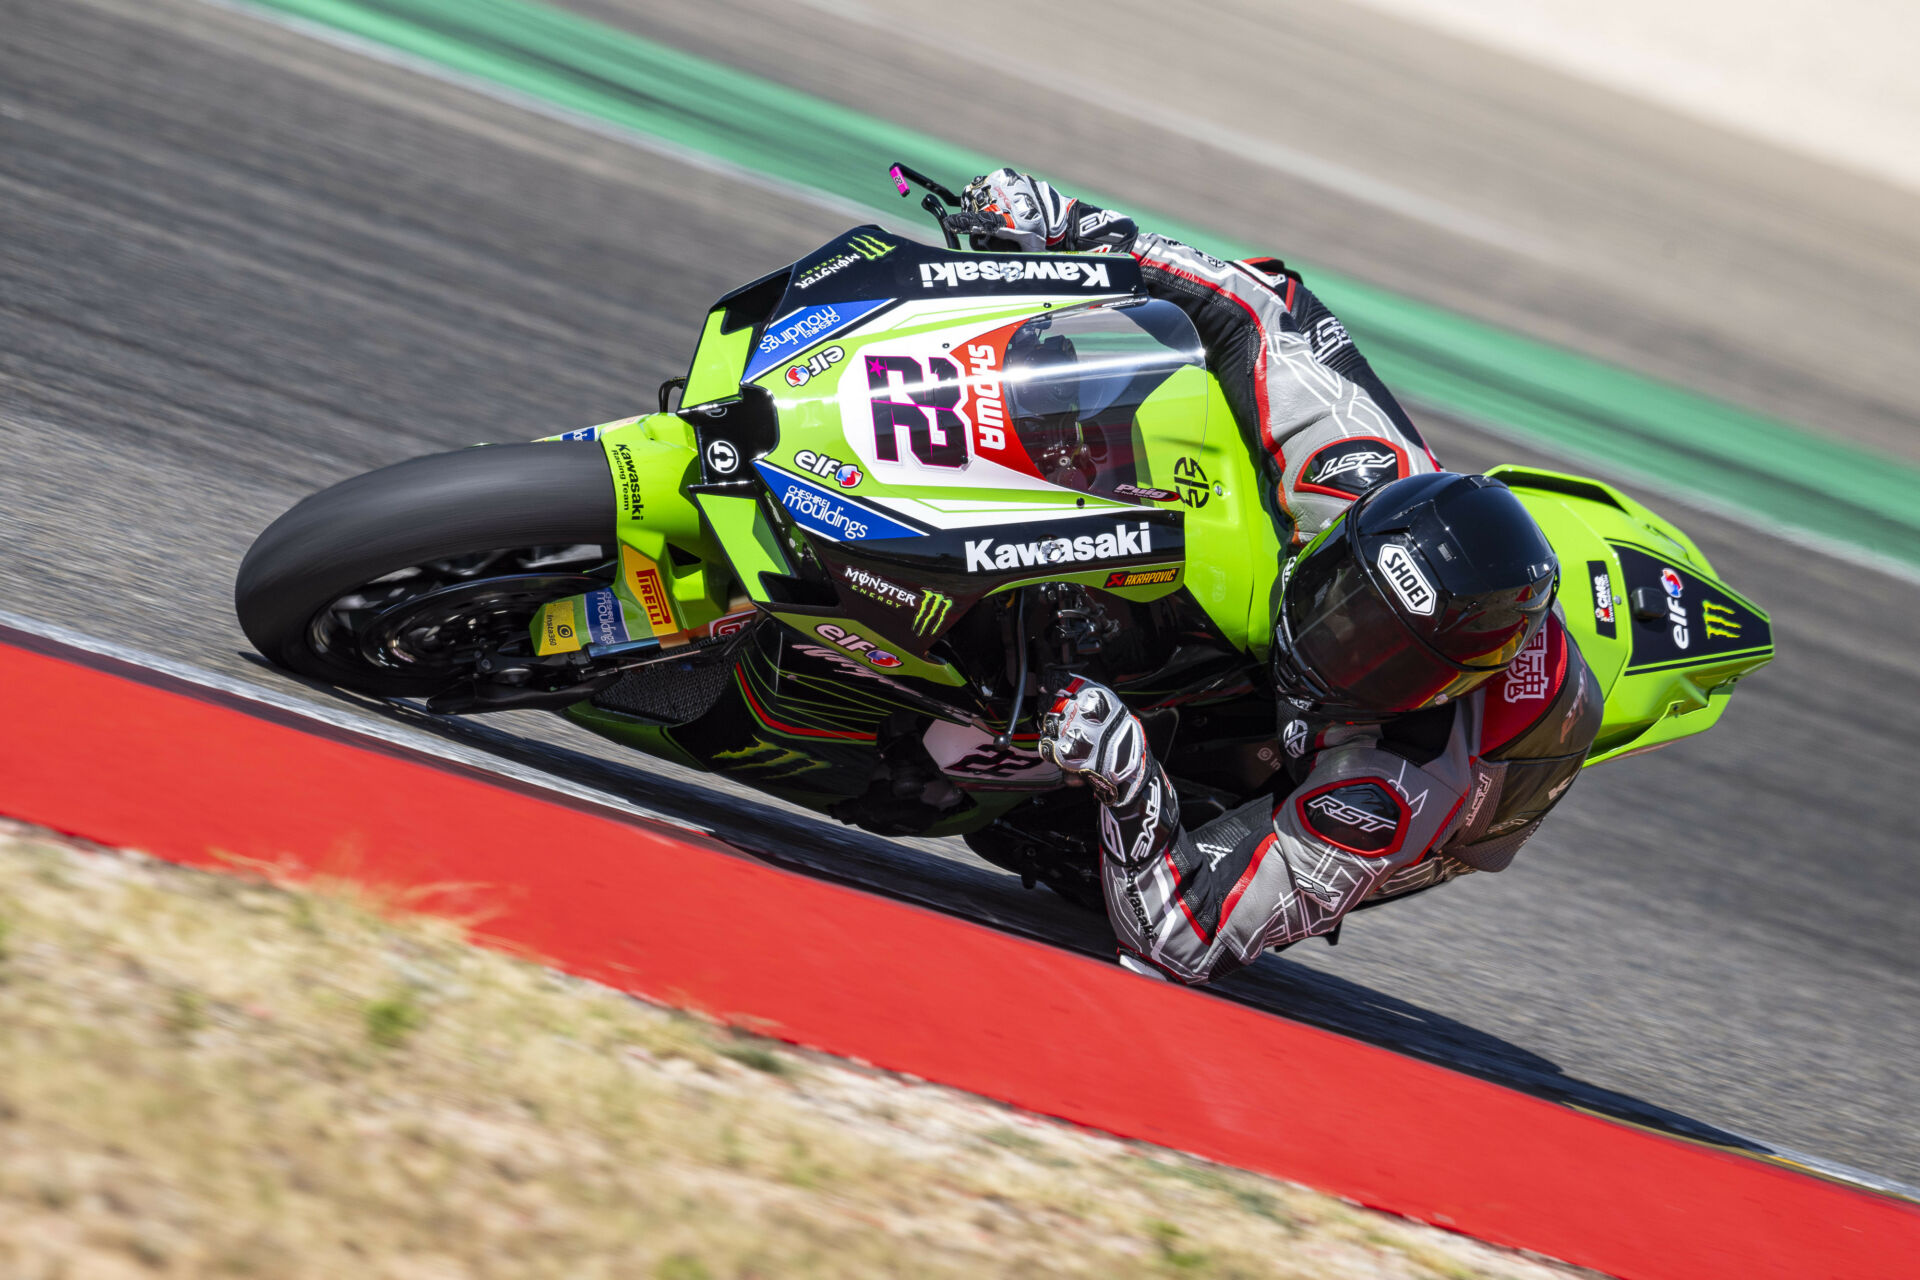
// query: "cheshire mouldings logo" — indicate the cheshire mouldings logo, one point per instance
point(827, 513)
point(1088, 275)
point(797, 330)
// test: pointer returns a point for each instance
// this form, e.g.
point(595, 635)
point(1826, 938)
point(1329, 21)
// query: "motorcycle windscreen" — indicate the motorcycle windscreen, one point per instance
point(1076, 379)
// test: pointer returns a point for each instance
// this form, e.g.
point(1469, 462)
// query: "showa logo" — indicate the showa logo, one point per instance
point(844, 474)
point(987, 554)
point(799, 375)
point(1088, 275)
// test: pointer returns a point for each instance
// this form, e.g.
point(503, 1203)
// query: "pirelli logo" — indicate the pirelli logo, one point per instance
point(1141, 577)
point(643, 580)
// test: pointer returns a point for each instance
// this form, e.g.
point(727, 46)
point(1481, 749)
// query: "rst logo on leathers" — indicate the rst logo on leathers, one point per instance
point(1088, 275)
point(1398, 567)
point(1360, 817)
point(987, 554)
point(1348, 468)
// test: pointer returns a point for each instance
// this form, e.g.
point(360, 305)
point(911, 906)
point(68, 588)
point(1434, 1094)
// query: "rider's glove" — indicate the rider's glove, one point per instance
point(1036, 217)
point(1089, 731)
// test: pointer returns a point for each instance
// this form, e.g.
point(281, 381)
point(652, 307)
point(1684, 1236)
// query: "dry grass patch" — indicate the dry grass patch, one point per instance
point(204, 1076)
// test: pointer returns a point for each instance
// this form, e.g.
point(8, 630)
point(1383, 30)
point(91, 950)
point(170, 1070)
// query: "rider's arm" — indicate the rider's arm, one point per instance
point(1313, 411)
point(1196, 904)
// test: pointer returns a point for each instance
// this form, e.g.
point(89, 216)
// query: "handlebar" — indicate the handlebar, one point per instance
point(944, 205)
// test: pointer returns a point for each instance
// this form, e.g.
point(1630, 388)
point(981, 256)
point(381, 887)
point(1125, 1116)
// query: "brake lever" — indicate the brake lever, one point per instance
point(952, 225)
point(901, 175)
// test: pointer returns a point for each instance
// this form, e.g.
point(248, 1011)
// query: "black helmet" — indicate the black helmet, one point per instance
point(1421, 590)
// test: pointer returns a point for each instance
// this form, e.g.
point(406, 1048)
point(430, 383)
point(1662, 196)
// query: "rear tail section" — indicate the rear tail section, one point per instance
point(1666, 637)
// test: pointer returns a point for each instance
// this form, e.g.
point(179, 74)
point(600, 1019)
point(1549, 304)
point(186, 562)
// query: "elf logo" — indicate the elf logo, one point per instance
point(986, 554)
point(799, 375)
point(844, 474)
point(854, 644)
point(1676, 612)
point(1407, 581)
point(1088, 275)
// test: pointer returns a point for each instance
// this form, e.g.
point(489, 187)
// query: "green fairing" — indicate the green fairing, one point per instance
point(718, 362)
point(1233, 552)
point(1651, 698)
point(751, 541)
point(811, 738)
point(637, 734)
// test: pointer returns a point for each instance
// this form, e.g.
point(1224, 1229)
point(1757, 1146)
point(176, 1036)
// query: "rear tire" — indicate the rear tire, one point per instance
point(426, 514)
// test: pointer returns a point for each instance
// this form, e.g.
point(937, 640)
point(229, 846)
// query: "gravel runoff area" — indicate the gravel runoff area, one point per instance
point(206, 1075)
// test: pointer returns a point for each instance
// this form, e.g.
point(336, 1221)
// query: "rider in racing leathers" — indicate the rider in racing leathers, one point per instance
point(1435, 707)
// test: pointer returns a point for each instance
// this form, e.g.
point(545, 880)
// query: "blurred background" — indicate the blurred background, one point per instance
point(247, 250)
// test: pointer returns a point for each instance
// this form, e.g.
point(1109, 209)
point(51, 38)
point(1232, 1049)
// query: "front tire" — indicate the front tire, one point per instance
point(396, 582)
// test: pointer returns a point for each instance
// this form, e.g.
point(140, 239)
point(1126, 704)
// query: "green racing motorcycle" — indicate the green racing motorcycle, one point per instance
point(903, 485)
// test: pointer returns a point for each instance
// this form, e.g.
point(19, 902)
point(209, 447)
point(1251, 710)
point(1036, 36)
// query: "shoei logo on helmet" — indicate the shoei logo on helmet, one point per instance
point(1408, 582)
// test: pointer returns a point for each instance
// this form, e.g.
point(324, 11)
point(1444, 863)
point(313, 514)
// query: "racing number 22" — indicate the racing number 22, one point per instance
point(935, 431)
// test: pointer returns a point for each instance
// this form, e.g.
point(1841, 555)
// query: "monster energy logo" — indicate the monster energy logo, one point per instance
point(932, 612)
point(767, 759)
point(1720, 620)
point(870, 248)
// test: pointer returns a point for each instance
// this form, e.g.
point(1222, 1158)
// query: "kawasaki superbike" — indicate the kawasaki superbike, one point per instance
point(901, 484)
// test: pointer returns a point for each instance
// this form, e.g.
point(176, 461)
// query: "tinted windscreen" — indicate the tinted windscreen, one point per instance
point(1078, 380)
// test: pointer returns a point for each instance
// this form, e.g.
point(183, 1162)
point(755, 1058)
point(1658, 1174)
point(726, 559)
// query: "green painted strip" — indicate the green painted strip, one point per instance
point(1776, 473)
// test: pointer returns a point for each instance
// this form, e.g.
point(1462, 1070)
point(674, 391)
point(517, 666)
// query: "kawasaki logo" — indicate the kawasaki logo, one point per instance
point(985, 554)
point(1088, 275)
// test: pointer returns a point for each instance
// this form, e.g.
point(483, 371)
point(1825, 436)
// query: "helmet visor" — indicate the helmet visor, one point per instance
point(1340, 634)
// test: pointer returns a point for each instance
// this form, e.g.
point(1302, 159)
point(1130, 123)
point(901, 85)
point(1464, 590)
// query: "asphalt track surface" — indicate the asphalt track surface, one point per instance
point(236, 265)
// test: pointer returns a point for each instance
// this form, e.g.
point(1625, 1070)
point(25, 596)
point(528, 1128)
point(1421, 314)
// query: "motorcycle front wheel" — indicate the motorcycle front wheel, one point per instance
point(411, 580)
